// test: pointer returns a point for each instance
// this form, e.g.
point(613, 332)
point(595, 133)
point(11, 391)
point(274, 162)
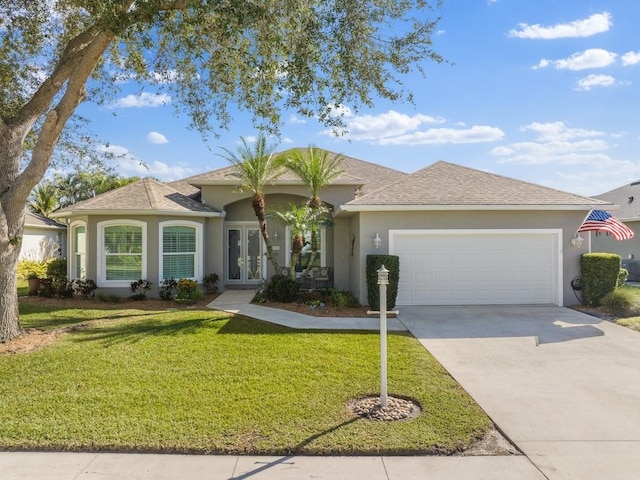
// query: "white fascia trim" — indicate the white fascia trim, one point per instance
point(199, 243)
point(419, 208)
point(125, 213)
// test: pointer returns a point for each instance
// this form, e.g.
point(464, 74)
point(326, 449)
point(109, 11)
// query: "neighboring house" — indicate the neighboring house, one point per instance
point(463, 236)
point(42, 238)
point(627, 198)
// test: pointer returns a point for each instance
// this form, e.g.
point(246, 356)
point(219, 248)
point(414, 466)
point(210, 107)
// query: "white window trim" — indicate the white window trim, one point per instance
point(199, 242)
point(102, 267)
point(323, 244)
point(73, 247)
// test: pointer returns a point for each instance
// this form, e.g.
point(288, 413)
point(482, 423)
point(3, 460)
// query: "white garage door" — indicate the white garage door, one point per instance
point(477, 267)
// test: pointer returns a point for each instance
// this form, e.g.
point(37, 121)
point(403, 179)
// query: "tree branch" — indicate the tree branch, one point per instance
point(84, 63)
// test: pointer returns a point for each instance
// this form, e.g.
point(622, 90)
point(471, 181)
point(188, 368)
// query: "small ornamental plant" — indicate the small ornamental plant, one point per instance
point(187, 290)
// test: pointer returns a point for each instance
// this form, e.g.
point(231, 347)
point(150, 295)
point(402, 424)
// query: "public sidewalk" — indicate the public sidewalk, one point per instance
point(111, 466)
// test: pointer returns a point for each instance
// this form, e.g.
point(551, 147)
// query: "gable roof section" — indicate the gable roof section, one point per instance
point(628, 199)
point(38, 221)
point(146, 196)
point(356, 172)
point(445, 185)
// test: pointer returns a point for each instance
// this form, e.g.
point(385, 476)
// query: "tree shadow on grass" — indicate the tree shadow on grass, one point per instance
point(136, 331)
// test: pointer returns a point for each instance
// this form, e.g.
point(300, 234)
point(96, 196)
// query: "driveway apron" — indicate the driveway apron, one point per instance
point(562, 385)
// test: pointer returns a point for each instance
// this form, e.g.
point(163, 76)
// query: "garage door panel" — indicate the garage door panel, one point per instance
point(476, 268)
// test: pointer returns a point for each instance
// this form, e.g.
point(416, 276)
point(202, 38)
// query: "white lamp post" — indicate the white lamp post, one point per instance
point(383, 281)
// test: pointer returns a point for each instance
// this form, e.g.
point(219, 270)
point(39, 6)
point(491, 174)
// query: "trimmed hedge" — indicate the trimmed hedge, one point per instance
point(599, 273)
point(391, 263)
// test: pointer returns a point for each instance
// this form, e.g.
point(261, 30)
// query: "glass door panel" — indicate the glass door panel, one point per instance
point(234, 254)
point(254, 254)
point(244, 255)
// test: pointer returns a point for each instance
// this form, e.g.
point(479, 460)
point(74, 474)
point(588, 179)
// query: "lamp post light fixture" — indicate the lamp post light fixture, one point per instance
point(577, 240)
point(377, 241)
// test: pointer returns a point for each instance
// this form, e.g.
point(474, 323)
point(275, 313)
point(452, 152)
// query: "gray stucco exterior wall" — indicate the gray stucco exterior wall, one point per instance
point(381, 222)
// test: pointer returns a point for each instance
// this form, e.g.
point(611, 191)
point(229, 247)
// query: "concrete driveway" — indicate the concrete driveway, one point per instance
point(562, 385)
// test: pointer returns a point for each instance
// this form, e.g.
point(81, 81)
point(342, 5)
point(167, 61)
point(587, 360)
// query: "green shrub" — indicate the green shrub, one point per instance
point(139, 289)
point(84, 287)
point(622, 277)
point(57, 268)
point(31, 269)
point(281, 288)
point(391, 263)
point(599, 273)
point(55, 282)
point(187, 290)
point(210, 282)
point(622, 302)
point(167, 288)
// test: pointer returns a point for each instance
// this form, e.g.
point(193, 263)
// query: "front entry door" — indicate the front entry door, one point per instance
point(244, 254)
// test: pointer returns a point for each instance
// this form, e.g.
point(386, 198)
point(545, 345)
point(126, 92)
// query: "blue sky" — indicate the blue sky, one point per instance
point(540, 90)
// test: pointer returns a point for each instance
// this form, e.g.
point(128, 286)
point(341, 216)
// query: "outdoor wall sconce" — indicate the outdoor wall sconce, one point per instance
point(577, 240)
point(377, 241)
point(275, 235)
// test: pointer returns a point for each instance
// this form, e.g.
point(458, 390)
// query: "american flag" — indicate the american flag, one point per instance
point(599, 221)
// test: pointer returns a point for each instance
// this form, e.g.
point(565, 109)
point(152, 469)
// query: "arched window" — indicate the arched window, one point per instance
point(122, 252)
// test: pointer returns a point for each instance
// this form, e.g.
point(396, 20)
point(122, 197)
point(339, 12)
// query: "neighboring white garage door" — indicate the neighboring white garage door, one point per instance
point(477, 267)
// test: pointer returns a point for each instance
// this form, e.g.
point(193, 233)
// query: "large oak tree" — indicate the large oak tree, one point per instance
point(262, 56)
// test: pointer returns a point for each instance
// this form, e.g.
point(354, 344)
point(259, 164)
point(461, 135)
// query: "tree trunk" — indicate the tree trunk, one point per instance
point(9, 253)
point(261, 212)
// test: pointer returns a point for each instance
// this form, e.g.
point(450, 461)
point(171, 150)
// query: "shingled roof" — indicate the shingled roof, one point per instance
point(146, 195)
point(447, 184)
point(628, 198)
point(34, 220)
point(356, 172)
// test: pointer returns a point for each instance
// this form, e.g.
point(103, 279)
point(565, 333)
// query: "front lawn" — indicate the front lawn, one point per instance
point(208, 382)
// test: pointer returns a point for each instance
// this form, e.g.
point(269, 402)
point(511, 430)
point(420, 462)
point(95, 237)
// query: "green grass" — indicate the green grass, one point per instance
point(207, 382)
point(23, 287)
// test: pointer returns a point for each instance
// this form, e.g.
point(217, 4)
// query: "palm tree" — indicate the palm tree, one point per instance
point(43, 199)
point(317, 169)
point(256, 167)
point(301, 219)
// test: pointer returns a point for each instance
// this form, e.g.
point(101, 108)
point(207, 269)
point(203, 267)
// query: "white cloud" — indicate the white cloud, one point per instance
point(385, 125)
point(541, 64)
point(296, 120)
point(142, 100)
point(596, 23)
point(155, 137)
point(441, 32)
point(557, 144)
point(630, 58)
point(438, 136)
point(129, 165)
point(591, 58)
point(559, 131)
point(395, 128)
point(287, 140)
point(590, 81)
point(598, 178)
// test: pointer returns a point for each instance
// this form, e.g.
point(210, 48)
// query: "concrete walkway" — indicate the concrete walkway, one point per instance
point(238, 301)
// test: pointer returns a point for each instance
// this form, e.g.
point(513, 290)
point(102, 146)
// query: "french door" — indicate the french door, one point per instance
point(244, 258)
